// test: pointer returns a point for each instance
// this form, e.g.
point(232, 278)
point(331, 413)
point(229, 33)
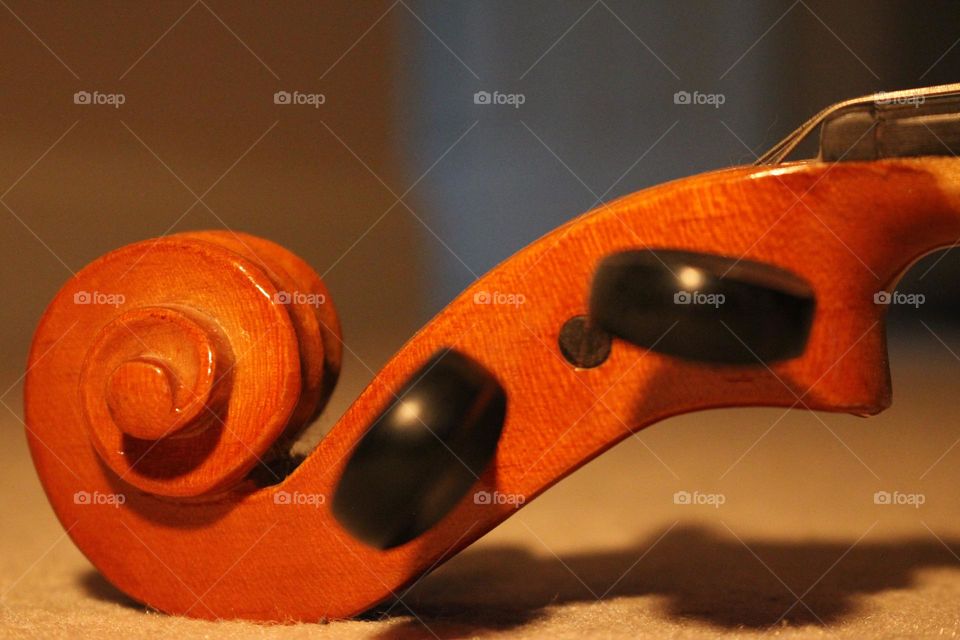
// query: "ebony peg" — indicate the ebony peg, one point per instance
point(702, 307)
point(423, 453)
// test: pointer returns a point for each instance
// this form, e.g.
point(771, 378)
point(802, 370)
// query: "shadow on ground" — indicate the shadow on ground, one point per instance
point(700, 574)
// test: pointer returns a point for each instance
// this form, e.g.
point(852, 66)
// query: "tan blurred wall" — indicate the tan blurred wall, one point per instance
point(199, 98)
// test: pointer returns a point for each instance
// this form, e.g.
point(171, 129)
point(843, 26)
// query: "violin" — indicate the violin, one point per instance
point(167, 381)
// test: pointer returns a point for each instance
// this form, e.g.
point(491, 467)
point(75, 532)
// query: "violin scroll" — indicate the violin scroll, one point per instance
point(202, 354)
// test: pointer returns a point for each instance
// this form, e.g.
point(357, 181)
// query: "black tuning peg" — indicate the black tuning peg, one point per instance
point(702, 307)
point(423, 453)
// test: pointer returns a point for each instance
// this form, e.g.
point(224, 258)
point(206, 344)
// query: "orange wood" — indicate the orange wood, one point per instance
point(198, 535)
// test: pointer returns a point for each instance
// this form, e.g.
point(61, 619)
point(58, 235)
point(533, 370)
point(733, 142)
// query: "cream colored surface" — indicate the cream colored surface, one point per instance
point(608, 553)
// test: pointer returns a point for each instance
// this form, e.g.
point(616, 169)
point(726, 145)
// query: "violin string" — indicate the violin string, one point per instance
point(777, 153)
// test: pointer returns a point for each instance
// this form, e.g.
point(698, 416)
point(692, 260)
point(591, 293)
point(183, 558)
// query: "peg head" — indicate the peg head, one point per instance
point(702, 307)
point(422, 454)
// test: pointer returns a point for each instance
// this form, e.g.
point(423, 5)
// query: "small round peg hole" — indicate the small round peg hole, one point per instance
point(583, 344)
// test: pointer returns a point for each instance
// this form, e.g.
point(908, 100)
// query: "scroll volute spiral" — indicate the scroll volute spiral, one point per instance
point(201, 355)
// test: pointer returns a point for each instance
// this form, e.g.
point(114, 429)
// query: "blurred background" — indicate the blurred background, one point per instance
point(397, 180)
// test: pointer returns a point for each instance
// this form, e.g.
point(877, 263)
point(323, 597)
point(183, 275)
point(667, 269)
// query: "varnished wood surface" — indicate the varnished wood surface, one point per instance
point(857, 228)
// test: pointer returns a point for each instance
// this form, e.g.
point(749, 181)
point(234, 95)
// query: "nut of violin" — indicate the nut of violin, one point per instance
point(195, 363)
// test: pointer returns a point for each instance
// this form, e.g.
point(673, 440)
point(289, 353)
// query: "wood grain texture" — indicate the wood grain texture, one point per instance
point(201, 539)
